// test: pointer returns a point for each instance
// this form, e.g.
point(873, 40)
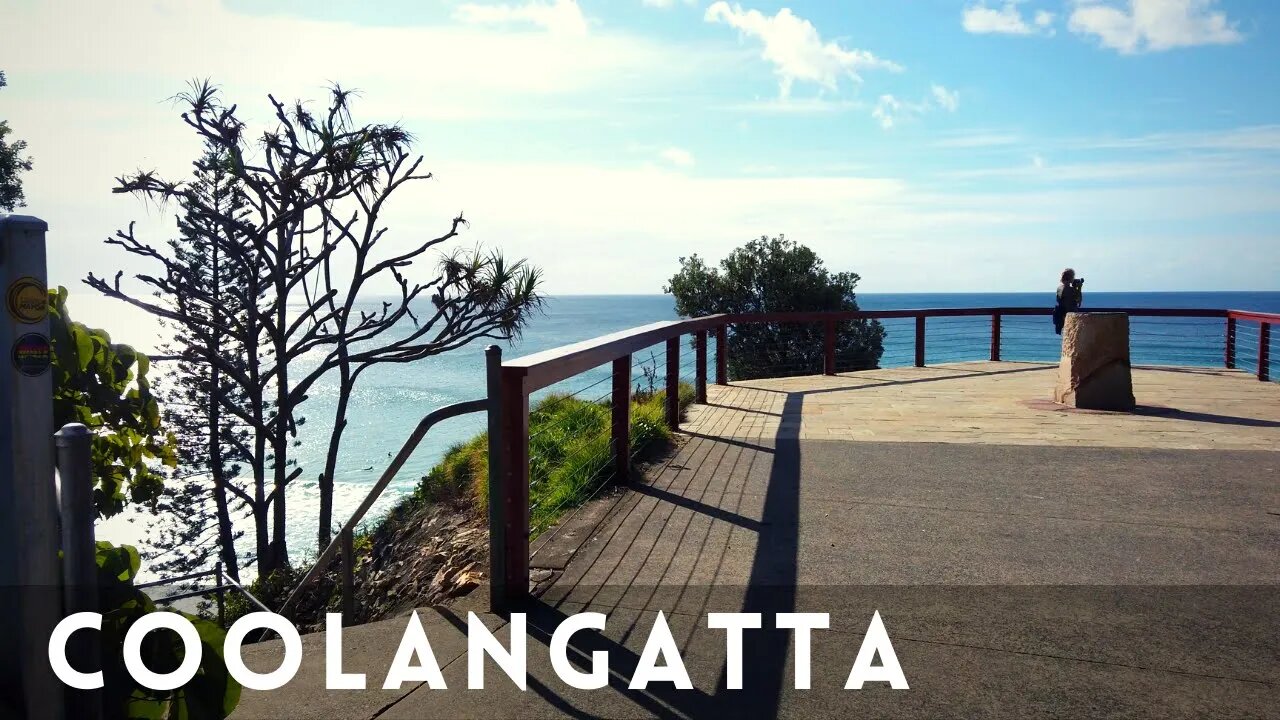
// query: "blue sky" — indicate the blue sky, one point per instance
point(932, 145)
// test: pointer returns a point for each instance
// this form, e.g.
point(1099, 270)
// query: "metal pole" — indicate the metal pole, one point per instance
point(29, 568)
point(221, 594)
point(829, 347)
point(1230, 359)
point(621, 410)
point(348, 578)
point(497, 478)
point(722, 355)
point(79, 558)
point(700, 365)
point(920, 341)
point(673, 383)
point(995, 337)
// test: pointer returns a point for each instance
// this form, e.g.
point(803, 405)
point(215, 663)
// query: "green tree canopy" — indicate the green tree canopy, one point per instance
point(777, 275)
point(104, 385)
point(12, 165)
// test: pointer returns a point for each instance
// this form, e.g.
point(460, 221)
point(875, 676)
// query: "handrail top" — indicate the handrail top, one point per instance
point(544, 368)
point(1254, 315)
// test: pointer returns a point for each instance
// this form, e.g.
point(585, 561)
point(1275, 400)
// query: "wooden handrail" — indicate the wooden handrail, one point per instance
point(1254, 316)
point(545, 368)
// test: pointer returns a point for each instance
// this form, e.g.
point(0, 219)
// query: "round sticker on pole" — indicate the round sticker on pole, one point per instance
point(32, 354)
point(28, 300)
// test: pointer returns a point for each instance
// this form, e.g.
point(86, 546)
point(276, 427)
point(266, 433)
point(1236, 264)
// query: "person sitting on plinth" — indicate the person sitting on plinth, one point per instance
point(1070, 297)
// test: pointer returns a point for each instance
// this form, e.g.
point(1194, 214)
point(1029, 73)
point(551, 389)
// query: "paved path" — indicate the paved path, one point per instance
point(1064, 571)
point(1010, 403)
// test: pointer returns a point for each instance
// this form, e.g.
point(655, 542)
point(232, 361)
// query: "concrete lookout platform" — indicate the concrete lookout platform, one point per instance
point(1028, 560)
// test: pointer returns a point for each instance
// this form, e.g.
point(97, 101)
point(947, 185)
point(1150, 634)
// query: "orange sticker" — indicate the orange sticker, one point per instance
point(28, 300)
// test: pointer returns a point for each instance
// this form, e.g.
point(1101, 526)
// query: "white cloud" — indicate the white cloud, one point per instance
point(1135, 26)
point(666, 3)
point(410, 72)
point(890, 109)
point(948, 100)
point(1006, 19)
point(677, 156)
point(562, 17)
point(887, 110)
point(795, 48)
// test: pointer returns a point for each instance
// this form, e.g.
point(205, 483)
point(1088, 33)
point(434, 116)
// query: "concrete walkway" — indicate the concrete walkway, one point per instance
point(1056, 569)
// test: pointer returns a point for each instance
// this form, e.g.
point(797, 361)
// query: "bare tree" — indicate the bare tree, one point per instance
point(315, 186)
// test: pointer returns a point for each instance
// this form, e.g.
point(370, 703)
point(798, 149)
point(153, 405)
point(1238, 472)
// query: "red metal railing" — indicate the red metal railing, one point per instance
point(511, 385)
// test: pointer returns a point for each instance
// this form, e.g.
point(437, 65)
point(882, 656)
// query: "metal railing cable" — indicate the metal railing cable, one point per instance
point(222, 583)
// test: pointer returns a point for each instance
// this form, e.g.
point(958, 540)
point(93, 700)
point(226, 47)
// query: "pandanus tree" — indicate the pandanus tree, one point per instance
point(317, 293)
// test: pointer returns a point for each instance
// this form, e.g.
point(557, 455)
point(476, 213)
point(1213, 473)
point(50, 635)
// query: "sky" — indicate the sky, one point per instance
point(930, 146)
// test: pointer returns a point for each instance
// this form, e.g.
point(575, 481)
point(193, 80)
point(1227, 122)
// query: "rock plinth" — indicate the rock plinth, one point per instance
point(1094, 371)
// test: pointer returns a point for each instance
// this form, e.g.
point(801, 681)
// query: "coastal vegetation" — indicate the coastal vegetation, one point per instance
point(569, 450)
point(432, 545)
point(12, 165)
point(107, 387)
point(278, 285)
point(777, 275)
point(211, 693)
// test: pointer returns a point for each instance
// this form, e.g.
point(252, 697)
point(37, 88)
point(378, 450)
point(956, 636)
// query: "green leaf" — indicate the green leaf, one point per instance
point(84, 347)
point(94, 384)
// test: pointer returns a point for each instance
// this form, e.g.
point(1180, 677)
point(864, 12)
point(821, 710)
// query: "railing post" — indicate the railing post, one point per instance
point(829, 347)
point(995, 337)
point(920, 341)
point(79, 557)
point(501, 476)
point(1229, 360)
point(673, 383)
point(1264, 351)
point(700, 365)
point(514, 485)
point(621, 410)
point(722, 355)
point(220, 594)
point(348, 578)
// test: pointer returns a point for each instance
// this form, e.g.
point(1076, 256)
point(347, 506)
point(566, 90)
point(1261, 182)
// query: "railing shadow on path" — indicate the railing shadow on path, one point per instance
point(769, 589)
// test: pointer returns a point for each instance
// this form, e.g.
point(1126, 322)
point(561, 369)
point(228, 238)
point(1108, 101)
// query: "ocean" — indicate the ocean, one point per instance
point(391, 399)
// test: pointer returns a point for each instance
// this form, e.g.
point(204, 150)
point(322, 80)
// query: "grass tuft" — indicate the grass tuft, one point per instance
point(570, 456)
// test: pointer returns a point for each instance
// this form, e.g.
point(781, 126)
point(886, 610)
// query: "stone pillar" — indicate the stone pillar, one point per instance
point(1094, 372)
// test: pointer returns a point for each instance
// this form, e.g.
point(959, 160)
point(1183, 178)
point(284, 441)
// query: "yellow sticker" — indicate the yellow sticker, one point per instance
point(28, 300)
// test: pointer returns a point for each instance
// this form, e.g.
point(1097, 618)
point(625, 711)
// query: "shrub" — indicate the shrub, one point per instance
point(777, 275)
point(570, 455)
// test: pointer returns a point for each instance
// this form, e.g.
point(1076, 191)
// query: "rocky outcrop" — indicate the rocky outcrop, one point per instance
point(419, 556)
point(427, 558)
point(1094, 372)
